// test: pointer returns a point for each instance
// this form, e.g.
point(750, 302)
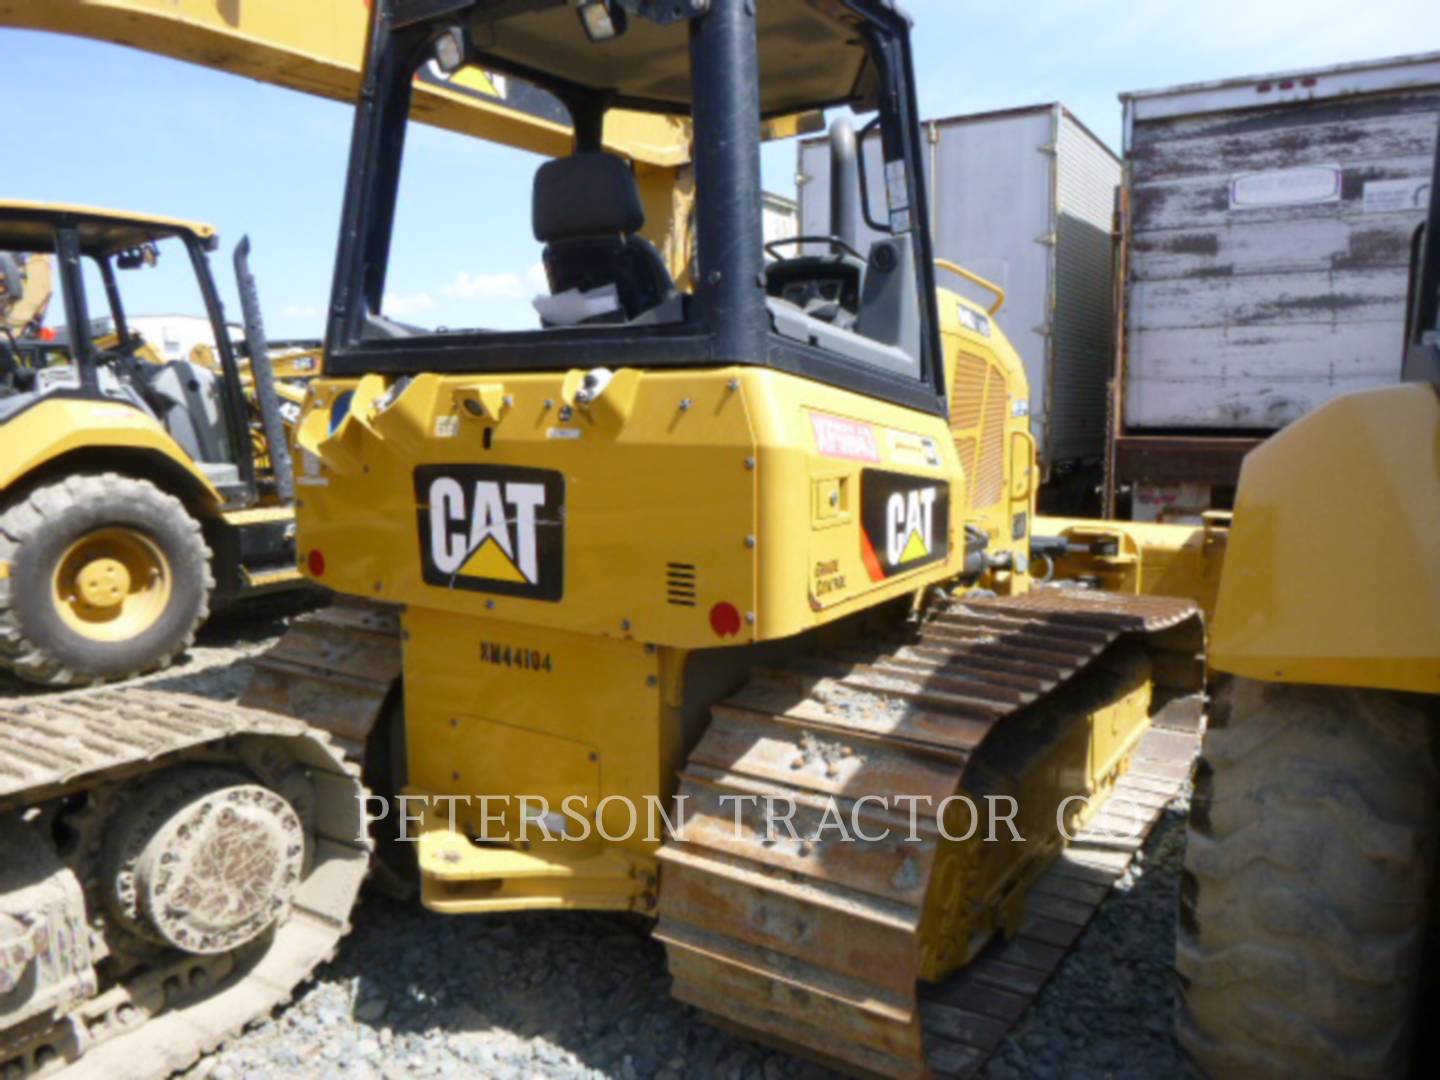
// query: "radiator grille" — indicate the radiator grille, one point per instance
point(979, 411)
point(969, 394)
point(990, 467)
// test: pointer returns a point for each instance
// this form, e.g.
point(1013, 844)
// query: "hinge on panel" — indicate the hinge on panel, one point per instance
point(1048, 148)
point(1048, 238)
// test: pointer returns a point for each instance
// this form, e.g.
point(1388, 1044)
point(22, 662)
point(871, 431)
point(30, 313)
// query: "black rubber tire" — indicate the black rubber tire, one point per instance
point(34, 533)
point(1309, 874)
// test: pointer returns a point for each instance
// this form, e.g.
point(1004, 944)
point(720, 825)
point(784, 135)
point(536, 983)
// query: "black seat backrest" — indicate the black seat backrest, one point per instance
point(587, 213)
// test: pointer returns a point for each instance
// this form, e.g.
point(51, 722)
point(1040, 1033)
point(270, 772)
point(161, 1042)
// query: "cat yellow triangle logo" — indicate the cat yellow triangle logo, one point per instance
point(493, 528)
point(472, 78)
point(490, 561)
point(914, 548)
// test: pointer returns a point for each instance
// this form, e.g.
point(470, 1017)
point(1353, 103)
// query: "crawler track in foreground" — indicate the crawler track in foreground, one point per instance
point(83, 761)
point(819, 946)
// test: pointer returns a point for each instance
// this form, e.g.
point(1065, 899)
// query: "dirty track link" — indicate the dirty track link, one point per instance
point(880, 958)
point(171, 868)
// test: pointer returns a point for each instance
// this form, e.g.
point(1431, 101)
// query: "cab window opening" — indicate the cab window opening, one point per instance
point(593, 262)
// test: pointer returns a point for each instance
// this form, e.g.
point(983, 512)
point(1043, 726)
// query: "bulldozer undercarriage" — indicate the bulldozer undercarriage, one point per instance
point(171, 868)
point(891, 958)
point(912, 957)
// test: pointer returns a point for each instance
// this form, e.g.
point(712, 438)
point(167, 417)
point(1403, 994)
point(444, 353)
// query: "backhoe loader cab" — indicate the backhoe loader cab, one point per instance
point(209, 424)
point(131, 486)
point(612, 301)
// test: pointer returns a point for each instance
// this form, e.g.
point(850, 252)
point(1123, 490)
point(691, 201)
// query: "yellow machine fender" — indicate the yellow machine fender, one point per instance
point(59, 426)
point(1333, 569)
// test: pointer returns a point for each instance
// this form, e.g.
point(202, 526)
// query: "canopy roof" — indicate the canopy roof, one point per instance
point(30, 226)
point(812, 53)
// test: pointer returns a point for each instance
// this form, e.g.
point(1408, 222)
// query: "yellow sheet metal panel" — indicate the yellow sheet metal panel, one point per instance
point(882, 513)
point(1333, 572)
point(498, 710)
point(647, 486)
point(55, 427)
point(679, 508)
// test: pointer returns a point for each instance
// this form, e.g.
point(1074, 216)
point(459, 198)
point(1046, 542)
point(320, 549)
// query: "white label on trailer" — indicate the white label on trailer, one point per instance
point(1286, 187)
point(897, 185)
point(1387, 196)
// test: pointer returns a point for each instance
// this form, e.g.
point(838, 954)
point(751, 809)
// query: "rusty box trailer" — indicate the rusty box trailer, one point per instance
point(1266, 226)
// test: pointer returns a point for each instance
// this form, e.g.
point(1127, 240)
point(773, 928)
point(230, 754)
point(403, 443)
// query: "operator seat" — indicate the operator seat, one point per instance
point(587, 213)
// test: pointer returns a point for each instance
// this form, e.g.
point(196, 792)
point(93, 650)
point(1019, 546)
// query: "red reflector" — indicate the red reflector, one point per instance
point(47, 333)
point(316, 563)
point(725, 620)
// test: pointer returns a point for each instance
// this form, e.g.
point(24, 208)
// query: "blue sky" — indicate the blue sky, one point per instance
point(110, 126)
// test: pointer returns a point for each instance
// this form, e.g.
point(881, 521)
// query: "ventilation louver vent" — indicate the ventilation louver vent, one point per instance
point(979, 413)
point(680, 584)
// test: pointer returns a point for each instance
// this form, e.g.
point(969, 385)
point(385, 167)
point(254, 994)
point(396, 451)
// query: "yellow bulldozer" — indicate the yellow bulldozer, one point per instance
point(706, 600)
point(135, 490)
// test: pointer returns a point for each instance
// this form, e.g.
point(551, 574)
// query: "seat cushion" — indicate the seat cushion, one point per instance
point(629, 263)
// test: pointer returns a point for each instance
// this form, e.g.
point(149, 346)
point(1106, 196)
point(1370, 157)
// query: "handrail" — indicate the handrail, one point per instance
point(975, 279)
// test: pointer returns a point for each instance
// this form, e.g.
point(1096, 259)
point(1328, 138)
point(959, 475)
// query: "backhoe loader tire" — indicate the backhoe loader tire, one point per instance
point(1308, 880)
point(108, 578)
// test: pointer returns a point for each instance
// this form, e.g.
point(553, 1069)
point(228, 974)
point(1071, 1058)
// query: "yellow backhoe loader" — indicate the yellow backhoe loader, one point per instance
point(749, 556)
point(134, 491)
point(1310, 883)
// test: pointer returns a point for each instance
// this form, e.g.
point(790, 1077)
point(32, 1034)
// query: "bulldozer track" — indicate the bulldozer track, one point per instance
point(171, 1010)
point(815, 945)
point(333, 669)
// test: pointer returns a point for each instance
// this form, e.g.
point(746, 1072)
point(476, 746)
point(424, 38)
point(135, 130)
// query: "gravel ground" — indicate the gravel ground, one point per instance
point(415, 994)
point(1109, 1011)
point(578, 995)
point(210, 667)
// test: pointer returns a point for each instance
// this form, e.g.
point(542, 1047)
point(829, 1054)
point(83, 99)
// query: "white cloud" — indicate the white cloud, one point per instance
point(508, 285)
point(412, 304)
point(303, 311)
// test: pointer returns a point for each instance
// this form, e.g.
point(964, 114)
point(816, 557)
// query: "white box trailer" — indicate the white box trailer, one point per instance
point(1266, 233)
point(1024, 198)
point(780, 217)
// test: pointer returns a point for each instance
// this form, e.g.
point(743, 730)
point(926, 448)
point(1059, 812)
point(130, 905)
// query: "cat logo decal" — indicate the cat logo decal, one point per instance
point(490, 528)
